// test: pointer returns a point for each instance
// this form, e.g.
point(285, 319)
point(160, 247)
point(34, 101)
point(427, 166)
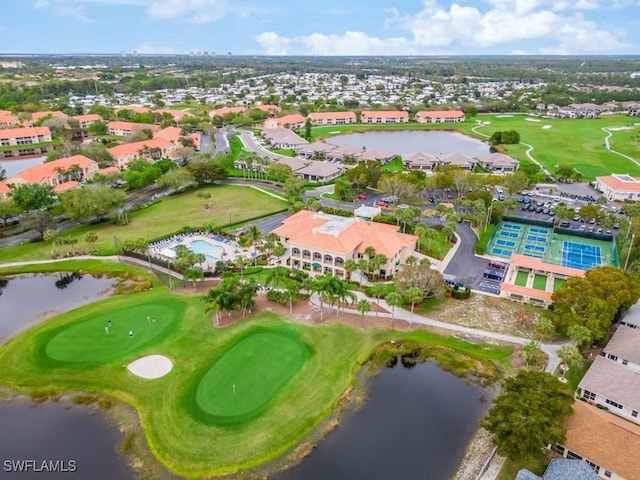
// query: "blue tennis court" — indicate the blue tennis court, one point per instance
point(504, 233)
point(505, 243)
point(535, 238)
point(534, 248)
point(579, 255)
point(538, 230)
point(501, 252)
point(511, 226)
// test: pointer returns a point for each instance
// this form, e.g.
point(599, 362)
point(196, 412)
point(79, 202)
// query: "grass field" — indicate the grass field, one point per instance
point(578, 143)
point(105, 337)
point(230, 202)
point(301, 370)
point(240, 384)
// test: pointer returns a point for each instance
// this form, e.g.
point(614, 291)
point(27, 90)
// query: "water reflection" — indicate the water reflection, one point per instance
point(416, 424)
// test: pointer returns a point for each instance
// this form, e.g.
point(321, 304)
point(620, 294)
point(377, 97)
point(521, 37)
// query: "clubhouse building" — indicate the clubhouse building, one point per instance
point(320, 243)
point(619, 187)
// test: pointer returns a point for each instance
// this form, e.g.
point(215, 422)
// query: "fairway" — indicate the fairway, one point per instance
point(88, 342)
point(240, 384)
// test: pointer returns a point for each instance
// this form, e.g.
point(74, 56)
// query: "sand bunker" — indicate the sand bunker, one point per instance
point(151, 366)
point(532, 119)
point(546, 127)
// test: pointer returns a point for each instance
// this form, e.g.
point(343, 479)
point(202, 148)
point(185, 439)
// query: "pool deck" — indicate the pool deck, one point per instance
point(230, 249)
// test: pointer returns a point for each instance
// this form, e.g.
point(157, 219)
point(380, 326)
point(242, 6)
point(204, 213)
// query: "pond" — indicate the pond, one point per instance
point(407, 141)
point(72, 437)
point(415, 420)
point(19, 164)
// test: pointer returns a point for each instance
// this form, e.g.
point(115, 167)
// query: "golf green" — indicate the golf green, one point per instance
point(89, 342)
point(240, 384)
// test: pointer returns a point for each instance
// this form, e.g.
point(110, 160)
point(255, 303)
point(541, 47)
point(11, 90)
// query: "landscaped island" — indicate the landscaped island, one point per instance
point(236, 397)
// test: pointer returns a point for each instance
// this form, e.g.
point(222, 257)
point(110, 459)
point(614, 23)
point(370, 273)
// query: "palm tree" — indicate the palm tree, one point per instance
point(420, 229)
point(253, 236)
point(193, 274)
point(51, 236)
point(91, 238)
point(350, 266)
point(579, 333)
point(293, 289)
point(413, 295)
point(393, 299)
point(277, 277)
point(363, 306)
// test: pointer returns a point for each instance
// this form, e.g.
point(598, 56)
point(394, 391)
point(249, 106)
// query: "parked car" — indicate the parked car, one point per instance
point(582, 228)
point(362, 196)
point(576, 218)
point(492, 274)
point(497, 265)
point(564, 223)
point(607, 232)
point(616, 225)
point(383, 204)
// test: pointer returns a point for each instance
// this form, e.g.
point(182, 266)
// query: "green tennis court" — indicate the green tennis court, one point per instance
point(241, 383)
point(89, 342)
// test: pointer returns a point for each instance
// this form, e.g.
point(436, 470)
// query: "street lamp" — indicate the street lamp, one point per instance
point(626, 262)
point(486, 223)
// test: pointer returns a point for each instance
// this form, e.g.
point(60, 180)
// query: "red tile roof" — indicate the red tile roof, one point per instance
point(134, 108)
point(385, 114)
point(4, 189)
point(291, 119)
point(267, 108)
point(119, 125)
point(332, 115)
point(527, 292)
point(176, 114)
point(615, 183)
point(169, 133)
point(39, 173)
point(90, 117)
point(224, 110)
point(24, 132)
point(39, 115)
point(65, 186)
point(441, 114)
point(536, 263)
point(134, 148)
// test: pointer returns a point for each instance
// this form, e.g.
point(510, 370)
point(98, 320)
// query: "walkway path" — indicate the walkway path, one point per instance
point(609, 131)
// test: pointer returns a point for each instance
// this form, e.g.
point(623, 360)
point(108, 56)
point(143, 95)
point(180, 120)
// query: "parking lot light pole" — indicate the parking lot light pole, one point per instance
point(626, 262)
point(486, 223)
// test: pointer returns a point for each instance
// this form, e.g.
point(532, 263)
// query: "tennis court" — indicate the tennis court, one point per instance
point(581, 255)
point(543, 243)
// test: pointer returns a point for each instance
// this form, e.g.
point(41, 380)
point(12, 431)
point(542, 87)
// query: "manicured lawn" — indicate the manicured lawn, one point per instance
point(578, 143)
point(394, 165)
point(295, 373)
point(521, 278)
point(105, 337)
point(240, 384)
point(162, 219)
point(536, 463)
point(539, 282)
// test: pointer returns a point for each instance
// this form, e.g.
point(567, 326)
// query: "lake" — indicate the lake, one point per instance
point(407, 141)
point(14, 166)
point(416, 424)
point(416, 420)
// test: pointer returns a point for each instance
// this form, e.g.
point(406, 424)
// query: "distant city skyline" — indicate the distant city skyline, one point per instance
point(332, 27)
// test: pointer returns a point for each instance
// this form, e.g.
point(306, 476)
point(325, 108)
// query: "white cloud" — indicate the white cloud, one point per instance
point(65, 8)
point(273, 44)
point(544, 25)
point(192, 11)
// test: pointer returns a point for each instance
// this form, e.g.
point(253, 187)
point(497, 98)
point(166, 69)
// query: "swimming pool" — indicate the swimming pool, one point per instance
point(210, 251)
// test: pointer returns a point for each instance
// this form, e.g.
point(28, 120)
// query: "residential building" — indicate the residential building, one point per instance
point(222, 111)
point(322, 243)
point(377, 155)
point(613, 380)
point(57, 172)
point(619, 187)
point(133, 109)
point(420, 161)
point(444, 116)
point(632, 317)
point(272, 109)
point(22, 142)
point(527, 293)
point(124, 129)
point(342, 153)
point(151, 150)
point(178, 115)
point(35, 116)
point(85, 120)
point(607, 443)
point(315, 149)
point(382, 116)
point(498, 162)
point(332, 118)
point(461, 160)
point(8, 119)
point(5, 190)
point(281, 137)
point(290, 121)
point(562, 469)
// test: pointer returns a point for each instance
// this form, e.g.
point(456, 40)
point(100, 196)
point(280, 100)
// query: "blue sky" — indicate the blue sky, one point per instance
point(327, 27)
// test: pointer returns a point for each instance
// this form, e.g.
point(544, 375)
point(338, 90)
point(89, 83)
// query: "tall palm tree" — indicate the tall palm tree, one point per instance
point(253, 236)
point(350, 266)
point(393, 299)
point(419, 230)
point(413, 295)
point(363, 306)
